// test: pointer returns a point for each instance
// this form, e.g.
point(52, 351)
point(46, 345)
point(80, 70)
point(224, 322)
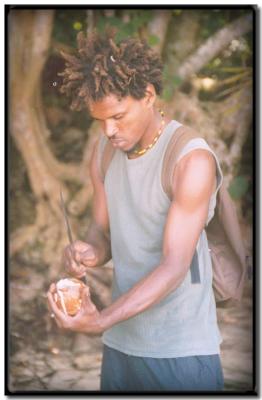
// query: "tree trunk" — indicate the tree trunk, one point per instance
point(158, 26)
point(30, 33)
point(182, 39)
point(26, 29)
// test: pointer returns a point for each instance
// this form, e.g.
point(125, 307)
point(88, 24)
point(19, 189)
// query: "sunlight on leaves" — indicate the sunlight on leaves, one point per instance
point(77, 26)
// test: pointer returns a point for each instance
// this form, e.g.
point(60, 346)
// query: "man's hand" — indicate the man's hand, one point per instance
point(78, 257)
point(87, 320)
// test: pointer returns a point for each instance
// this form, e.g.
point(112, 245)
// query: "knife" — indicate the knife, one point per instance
point(68, 228)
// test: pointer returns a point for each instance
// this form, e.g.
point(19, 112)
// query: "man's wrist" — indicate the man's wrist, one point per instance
point(100, 242)
point(104, 320)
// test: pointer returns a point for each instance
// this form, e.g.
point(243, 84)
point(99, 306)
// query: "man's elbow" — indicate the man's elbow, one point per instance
point(176, 269)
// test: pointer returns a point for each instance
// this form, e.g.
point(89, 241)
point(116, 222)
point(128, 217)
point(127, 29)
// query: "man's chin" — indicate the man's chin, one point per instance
point(130, 149)
point(124, 147)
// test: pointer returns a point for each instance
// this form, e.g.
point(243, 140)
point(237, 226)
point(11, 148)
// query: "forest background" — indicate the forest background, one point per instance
point(208, 56)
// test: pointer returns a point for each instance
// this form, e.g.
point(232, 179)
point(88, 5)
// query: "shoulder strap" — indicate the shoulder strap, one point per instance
point(227, 214)
point(180, 138)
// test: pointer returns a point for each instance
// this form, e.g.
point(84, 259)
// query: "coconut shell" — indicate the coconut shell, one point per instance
point(68, 295)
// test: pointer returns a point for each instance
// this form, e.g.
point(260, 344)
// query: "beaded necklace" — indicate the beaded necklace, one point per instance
point(143, 151)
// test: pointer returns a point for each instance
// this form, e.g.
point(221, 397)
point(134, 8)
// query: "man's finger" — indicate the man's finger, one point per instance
point(79, 269)
point(88, 255)
point(73, 268)
point(87, 259)
point(52, 288)
point(59, 315)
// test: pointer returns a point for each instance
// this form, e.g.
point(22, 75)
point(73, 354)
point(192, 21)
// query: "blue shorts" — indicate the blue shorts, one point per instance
point(122, 372)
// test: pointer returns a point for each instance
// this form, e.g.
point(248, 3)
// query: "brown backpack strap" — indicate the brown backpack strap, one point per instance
point(180, 138)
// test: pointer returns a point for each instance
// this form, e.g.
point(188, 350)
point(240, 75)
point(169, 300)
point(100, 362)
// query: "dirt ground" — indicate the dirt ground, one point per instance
point(236, 326)
point(41, 358)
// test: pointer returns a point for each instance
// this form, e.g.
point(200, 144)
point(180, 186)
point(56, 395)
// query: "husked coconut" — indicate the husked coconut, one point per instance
point(68, 295)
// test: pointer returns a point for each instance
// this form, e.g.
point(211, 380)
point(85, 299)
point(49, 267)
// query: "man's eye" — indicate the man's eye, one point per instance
point(118, 116)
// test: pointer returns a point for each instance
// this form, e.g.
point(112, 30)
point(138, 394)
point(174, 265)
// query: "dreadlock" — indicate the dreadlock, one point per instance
point(102, 67)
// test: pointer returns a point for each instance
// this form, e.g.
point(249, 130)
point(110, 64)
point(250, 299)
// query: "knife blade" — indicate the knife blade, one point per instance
point(68, 228)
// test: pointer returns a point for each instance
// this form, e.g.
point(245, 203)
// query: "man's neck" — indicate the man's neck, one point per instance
point(153, 131)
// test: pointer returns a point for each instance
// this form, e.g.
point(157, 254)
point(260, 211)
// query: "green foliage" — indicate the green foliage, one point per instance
point(235, 80)
point(215, 19)
point(77, 26)
point(233, 60)
point(66, 25)
point(171, 83)
point(153, 40)
point(239, 187)
point(167, 93)
point(237, 57)
point(177, 12)
point(127, 23)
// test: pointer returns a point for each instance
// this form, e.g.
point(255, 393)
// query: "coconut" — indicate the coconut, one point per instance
point(68, 295)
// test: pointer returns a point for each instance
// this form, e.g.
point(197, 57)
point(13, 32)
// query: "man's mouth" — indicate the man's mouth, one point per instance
point(116, 141)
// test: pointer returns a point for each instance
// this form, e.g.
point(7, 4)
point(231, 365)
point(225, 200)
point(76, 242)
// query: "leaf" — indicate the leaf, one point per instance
point(153, 40)
point(114, 21)
point(232, 91)
point(77, 25)
point(143, 18)
point(123, 34)
point(234, 78)
point(239, 187)
point(168, 93)
point(235, 69)
point(109, 22)
point(177, 80)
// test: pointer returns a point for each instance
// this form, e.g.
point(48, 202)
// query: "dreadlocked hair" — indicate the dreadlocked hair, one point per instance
point(101, 67)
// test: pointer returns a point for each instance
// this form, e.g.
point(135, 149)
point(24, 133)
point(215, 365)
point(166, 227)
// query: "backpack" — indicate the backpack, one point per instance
point(223, 231)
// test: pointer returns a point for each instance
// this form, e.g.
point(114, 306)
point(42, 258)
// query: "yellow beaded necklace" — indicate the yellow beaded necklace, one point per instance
point(143, 151)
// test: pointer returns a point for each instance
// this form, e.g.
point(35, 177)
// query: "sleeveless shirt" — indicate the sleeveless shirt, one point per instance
point(184, 323)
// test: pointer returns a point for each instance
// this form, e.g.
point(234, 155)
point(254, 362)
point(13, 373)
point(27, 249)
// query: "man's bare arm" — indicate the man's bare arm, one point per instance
point(98, 231)
point(96, 250)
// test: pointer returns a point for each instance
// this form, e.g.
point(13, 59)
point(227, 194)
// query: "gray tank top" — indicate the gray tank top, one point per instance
point(184, 323)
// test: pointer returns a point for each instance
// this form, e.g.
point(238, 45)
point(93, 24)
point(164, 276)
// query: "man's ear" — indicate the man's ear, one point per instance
point(150, 95)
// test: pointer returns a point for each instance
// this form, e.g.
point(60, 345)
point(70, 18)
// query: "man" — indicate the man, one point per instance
point(160, 332)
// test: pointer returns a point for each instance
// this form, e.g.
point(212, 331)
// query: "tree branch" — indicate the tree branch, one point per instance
point(214, 45)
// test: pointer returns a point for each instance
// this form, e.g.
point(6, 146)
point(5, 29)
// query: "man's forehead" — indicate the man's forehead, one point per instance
point(110, 99)
point(110, 104)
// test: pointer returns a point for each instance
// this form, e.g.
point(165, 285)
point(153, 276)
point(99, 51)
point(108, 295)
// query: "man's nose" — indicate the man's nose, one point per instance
point(109, 129)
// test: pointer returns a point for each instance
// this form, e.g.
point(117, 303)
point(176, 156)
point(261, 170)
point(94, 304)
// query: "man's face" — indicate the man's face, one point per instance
point(124, 121)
